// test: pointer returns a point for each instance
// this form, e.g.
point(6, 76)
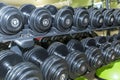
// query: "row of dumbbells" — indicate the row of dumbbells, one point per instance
point(41, 20)
point(46, 41)
point(60, 61)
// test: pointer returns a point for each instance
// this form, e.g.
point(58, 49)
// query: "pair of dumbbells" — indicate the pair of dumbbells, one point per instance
point(92, 53)
point(13, 67)
point(42, 19)
point(102, 18)
point(57, 63)
point(115, 44)
point(111, 17)
point(52, 67)
point(39, 19)
point(99, 18)
point(107, 52)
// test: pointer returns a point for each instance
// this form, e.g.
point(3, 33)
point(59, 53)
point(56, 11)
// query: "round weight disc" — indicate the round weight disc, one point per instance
point(63, 20)
point(11, 20)
point(27, 9)
point(40, 20)
point(81, 19)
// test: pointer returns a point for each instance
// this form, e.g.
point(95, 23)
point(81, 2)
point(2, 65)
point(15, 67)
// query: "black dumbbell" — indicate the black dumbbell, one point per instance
point(75, 59)
point(12, 67)
point(117, 37)
point(96, 18)
point(93, 54)
point(110, 39)
point(108, 53)
point(81, 18)
point(11, 20)
point(62, 18)
point(38, 19)
point(116, 14)
point(100, 40)
point(88, 42)
point(108, 17)
point(53, 67)
point(115, 44)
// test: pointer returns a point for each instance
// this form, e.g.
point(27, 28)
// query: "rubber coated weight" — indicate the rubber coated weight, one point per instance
point(11, 20)
point(94, 57)
point(63, 19)
point(96, 18)
point(108, 17)
point(27, 9)
point(41, 20)
point(53, 67)
point(13, 68)
point(81, 18)
point(100, 40)
point(116, 14)
point(110, 39)
point(28, 70)
point(117, 36)
point(92, 53)
point(115, 44)
point(75, 45)
point(108, 53)
point(76, 60)
point(88, 42)
point(38, 19)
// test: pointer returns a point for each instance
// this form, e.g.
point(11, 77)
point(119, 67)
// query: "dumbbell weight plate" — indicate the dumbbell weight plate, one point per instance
point(63, 20)
point(11, 20)
point(40, 20)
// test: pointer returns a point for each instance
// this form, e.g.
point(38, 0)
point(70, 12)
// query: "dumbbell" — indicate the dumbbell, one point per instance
point(53, 67)
point(100, 40)
point(76, 60)
point(81, 18)
point(62, 18)
point(38, 19)
point(11, 20)
point(115, 44)
point(108, 17)
point(108, 53)
point(96, 18)
point(116, 37)
point(93, 54)
point(116, 14)
point(12, 67)
point(113, 38)
point(110, 39)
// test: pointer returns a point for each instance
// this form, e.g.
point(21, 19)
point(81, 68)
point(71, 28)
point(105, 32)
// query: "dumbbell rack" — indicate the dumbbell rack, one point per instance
point(89, 75)
point(27, 34)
